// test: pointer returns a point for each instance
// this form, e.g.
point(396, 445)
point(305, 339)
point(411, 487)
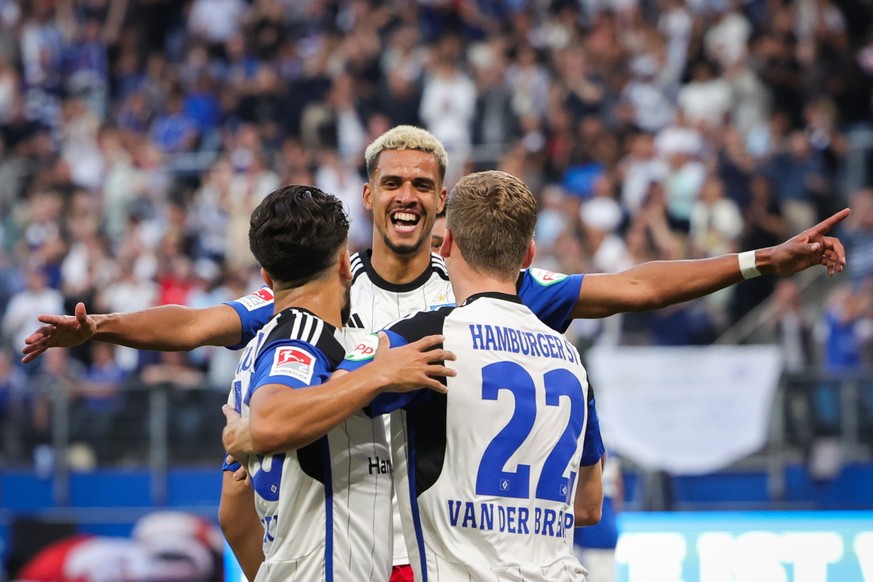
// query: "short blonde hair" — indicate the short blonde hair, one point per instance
point(406, 137)
point(492, 216)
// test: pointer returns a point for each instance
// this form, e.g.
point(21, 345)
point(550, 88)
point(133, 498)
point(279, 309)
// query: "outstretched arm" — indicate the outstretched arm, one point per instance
point(281, 419)
point(166, 328)
point(661, 283)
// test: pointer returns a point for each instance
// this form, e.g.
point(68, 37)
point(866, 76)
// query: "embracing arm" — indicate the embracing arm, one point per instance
point(166, 328)
point(282, 419)
point(240, 523)
point(588, 504)
point(661, 283)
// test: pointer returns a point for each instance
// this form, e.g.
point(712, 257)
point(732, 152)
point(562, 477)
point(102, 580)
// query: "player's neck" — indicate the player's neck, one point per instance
point(466, 282)
point(321, 298)
point(399, 269)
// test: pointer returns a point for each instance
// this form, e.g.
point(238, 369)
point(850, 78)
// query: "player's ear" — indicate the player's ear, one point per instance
point(441, 203)
point(345, 264)
point(529, 255)
point(446, 247)
point(268, 281)
point(367, 197)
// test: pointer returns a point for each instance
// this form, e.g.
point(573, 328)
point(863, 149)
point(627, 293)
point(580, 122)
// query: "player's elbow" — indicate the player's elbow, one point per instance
point(588, 514)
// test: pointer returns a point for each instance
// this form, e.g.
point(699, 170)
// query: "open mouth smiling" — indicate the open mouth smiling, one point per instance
point(405, 221)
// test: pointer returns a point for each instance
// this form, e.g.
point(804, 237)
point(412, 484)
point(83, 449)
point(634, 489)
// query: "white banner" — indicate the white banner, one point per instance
point(685, 410)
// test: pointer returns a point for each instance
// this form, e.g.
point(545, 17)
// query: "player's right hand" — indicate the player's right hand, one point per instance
point(413, 366)
point(59, 331)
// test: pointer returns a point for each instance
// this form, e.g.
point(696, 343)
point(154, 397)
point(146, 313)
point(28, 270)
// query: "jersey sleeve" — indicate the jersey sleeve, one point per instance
point(254, 310)
point(551, 296)
point(292, 363)
point(592, 447)
point(363, 354)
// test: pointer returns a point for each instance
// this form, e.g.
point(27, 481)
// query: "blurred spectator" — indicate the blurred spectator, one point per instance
point(844, 332)
point(174, 373)
point(652, 109)
point(174, 132)
point(681, 146)
point(216, 21)
point(57, 380)
point(706, 99)
point(716, 222)
point(791, 327)
point(95, 401)
point(763, 226)
point(448, 103)
point(335, 176)
point(858, 238)
point(800, 175)
point(24, 307)
point(14, 405)
point(87, 66)
point(495, 124)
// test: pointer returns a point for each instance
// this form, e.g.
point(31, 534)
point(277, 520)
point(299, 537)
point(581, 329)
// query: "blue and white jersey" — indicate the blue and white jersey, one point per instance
point(376, 302)
point(486, 474)
point(326, 507)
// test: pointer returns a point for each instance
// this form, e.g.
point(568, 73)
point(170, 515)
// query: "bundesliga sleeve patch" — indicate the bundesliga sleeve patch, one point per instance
point(546, 278)
point(365, 349)
point(294, 362)
point(256, 299)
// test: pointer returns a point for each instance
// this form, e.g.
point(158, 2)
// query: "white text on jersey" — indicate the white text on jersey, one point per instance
point(505, 339)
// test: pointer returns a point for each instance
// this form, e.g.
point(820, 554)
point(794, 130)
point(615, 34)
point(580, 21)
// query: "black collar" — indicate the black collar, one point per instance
point(494, 295)
point(378, 281)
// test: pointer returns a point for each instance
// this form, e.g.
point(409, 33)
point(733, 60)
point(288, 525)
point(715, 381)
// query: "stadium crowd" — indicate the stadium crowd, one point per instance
point(136, 137)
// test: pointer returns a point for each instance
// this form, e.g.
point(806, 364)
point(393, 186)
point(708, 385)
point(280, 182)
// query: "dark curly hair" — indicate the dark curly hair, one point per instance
point(296, 232)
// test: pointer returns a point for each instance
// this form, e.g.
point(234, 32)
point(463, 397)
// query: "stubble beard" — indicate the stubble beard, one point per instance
point(346, 310)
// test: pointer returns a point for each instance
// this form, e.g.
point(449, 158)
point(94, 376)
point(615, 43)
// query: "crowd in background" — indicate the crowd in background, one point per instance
point(136, 136)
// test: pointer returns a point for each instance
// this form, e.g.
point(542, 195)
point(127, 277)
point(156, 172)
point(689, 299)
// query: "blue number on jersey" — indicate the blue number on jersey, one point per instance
point(266, 482)
point(553, 485)
point(491, 478)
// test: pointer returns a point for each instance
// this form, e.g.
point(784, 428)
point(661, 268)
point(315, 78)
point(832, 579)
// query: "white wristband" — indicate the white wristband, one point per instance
point(747, 265)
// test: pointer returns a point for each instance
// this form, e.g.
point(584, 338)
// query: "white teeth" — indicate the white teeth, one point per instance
point(404, 216)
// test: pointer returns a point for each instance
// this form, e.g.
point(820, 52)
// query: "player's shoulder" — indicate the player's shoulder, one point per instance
point(303, 327)
point(539, 277)
point(420, 324)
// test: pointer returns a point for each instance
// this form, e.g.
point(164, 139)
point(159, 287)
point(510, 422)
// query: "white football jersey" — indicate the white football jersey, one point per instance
point(326, 507)
point(376, 303)
point(486, 474)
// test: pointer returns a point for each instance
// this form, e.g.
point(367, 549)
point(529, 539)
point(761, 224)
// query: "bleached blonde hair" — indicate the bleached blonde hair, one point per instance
point(406, 137)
